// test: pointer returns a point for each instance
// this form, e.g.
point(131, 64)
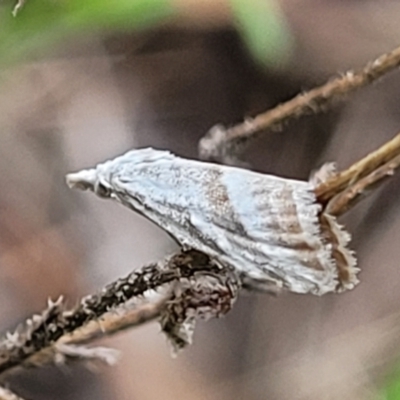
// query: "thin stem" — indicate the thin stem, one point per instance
point(355, 192)
point(219, 143)
point(327, 190)
point(44, 330)
point(113, 323)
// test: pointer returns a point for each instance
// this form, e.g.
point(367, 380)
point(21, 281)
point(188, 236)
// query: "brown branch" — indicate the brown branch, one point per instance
point(113, 323)
point(346, 199)
point(43, 331)
point(327, 190)
point(221, 144)
point(209, 295)
point(109, 324)
point(341, 192)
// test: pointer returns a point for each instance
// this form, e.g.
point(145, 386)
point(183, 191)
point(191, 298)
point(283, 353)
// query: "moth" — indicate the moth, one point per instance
point(271, 230)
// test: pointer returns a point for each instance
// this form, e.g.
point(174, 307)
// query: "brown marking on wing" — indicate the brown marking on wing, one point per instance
point(289, 220)
point(289, 232)
point(290, 225)
point(217, 195)
point(216, 192)
point(340, 259)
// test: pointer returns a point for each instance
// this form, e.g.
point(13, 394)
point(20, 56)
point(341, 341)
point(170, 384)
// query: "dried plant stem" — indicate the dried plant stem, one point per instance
point(345, 200)
point(219, 143)
point(113, 323)
point(44, 330)
point(359, 170)
point(342, 191)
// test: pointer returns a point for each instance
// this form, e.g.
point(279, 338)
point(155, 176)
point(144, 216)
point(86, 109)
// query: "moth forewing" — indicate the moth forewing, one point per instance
point(268, 228)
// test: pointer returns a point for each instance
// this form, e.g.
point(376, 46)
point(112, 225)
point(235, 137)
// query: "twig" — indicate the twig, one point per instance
point(113, 323)
point(221, 144)
point(6, 394)
point(327, 190)
point(346, 199)
point(341, 192)
point(109, 324)
point(44, 330)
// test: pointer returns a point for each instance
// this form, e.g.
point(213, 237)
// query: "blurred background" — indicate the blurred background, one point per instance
point(81, 82)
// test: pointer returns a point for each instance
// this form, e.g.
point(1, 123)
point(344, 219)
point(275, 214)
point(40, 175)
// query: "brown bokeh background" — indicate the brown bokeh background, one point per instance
point(100, 96)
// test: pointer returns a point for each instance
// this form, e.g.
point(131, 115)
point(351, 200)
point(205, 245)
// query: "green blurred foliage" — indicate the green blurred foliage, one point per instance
point(41, 24)
point(391, 390)
point(264, 30)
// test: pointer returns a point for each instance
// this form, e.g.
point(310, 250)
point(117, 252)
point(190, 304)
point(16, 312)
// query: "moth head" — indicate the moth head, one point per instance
point(90, 179)
point(135, 179)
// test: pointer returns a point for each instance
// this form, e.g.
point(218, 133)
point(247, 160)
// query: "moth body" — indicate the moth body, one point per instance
point(269, 229)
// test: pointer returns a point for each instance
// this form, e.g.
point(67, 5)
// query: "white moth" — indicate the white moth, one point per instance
point(270, 229)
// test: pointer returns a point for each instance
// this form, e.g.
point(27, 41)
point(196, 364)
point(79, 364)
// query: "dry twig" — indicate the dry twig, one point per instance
point(70, 347)
point(346, 199)
point(115, 322)
point(44, 330)
point(36, 343)
point(222, 144)
point(361, 169)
